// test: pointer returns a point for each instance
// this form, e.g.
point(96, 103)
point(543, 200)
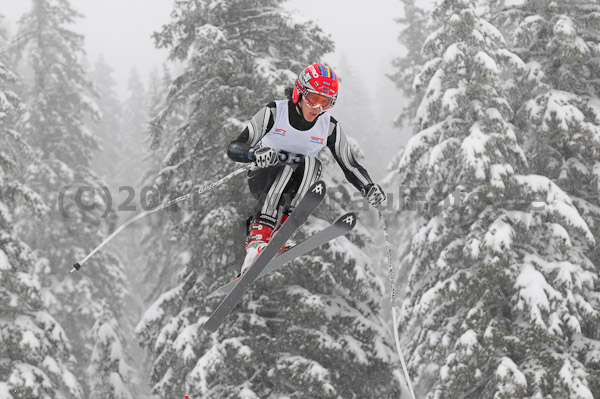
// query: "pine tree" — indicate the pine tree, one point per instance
point(110, 124)
point(405, 222)
point(155, 278)
point(497, 293)
point(560, 116)
point(129, 178)
point(134, 126)
point(35, 354)
point(413, 37)
point(110, 373)
point(54, 126)
point(310, 331)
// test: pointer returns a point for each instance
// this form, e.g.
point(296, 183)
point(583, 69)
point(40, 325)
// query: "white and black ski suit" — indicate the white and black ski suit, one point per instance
point(280, 125)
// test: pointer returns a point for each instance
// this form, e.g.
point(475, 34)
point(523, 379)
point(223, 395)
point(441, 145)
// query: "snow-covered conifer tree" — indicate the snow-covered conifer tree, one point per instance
point(54, 126)
point(560, 116)
point(313, 329)
point(412, 37)
point(133, 148)
point(35, 353)
point(109, 126)
point(109, 373)
point(497, 303)
point(135, 122)
point(156, 278)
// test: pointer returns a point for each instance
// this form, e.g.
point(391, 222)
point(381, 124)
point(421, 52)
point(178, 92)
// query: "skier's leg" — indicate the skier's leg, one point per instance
point(261, 179)
point(271, 183)
point(305, 175)
point(266, 211)
point(259, 182)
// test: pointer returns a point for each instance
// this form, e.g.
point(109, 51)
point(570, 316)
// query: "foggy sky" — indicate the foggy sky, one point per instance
point(121, 31)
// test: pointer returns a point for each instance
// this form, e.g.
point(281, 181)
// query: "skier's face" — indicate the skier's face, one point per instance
point(309, 113)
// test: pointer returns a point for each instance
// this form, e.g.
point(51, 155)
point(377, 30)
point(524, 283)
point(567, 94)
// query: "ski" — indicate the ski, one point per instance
point(307, 205)
point(340, 227)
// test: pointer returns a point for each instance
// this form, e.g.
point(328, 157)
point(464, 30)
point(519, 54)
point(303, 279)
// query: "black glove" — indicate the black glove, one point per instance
point(264, 157)
point(374, 194)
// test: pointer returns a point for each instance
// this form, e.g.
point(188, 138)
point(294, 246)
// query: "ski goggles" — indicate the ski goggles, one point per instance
point(316, 100)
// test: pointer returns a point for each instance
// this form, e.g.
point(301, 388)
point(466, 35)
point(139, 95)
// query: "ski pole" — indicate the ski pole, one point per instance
point(393, 296)
point(201, 190)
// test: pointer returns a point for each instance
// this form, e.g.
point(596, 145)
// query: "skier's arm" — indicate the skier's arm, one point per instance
point(259, 125)
point(340, 148)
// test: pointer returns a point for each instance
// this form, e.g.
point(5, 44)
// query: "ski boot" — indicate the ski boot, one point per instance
point(259, 237)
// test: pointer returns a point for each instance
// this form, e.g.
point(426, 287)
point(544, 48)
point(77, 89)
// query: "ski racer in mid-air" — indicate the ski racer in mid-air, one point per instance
point(283, 140)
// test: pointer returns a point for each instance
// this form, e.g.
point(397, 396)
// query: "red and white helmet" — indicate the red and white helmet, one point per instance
point(318, 83)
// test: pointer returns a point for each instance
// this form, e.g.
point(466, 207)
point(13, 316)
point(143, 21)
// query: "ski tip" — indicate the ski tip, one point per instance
point(348, 219)
point(318, 188)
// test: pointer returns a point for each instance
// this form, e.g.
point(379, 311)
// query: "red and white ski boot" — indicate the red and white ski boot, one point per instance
point(259, 237)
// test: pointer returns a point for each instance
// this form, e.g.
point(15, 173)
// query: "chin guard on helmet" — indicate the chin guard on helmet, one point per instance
point(318, 79)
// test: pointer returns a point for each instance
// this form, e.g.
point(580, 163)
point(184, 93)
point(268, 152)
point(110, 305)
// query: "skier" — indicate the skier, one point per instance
point(283, 140)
